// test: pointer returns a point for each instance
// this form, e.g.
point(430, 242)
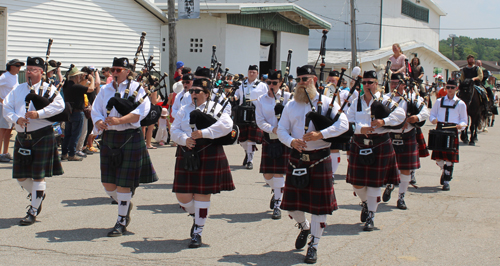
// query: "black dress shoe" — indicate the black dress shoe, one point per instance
point(364, 212)
point(369, 225)
point(401, 204)
point(311, 256)
point(195, 241)
point(442, 179)
point(413, 180)
point(271, 203)
point(276, 213)
point(118, 230)
point(302, 238)
point(446, 187)
point(387, 193)
point(29, 219)
point(249, 166)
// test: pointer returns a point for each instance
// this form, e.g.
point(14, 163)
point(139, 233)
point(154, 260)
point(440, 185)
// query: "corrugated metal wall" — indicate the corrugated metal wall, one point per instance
point(267, 21)
point(85, 33)
point(3, 31)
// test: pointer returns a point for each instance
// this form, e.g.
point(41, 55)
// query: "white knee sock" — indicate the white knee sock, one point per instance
point(361, 193)
point(335, 161)
point(373, 198)
point(269, 182)
point(440, 163)
point(279, 183)
point(112, 194)
point(318, 224)
point(27, 184)
point(37, 193)
point(200, 215)
point(188, 207)
point(250, 151)
point(405, 182)
point(300, 217)
point(123, 204)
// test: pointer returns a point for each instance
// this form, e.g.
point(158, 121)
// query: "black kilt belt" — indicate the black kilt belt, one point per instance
point(43, 146)
point(383, 171)
point(136, 166)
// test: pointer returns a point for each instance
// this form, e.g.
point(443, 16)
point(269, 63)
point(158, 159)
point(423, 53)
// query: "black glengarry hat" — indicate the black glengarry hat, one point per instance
point(253, 67)
point(370, 74)
point(187, 76)
point(334, 73)
point(274, 74)
point(451, 82)
point(121, 62)
point(305, 70)
point(202, 83)
point(202, 72)
point(397, 76)
point(35, 61)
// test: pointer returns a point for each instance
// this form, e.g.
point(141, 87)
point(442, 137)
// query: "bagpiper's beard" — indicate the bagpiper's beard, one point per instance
point(300, 93)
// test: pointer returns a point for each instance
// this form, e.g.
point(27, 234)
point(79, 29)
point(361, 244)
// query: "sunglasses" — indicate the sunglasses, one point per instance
point(272, 82)
point(367, 82)
point(191, 91)
point(451, 87)
point(117, 70)
point(303, 79)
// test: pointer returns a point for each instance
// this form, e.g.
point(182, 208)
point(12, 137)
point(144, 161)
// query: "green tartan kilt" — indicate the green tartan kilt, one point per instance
point(46, 162)
point(136, 166)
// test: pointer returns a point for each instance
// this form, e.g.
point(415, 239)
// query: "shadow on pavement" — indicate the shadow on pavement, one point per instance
point(382, 207)
point(340, 177)
point(425, 189)
point(9, 222)
point(158, 246)
point(242, 217)
point(161, 208)
point(72, 235)
point(87, 202)
point(343, 229)
point(291, 257)
point(156, 186)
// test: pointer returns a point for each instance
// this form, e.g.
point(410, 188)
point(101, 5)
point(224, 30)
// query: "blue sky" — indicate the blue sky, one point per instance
point(470, 14)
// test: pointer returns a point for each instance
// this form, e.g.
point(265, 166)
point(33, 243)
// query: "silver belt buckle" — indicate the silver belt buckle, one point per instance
point(397, 142)
point(299, 171)
point(23, 151)
point(305, 157)
point(365, 151)
point(367, 142)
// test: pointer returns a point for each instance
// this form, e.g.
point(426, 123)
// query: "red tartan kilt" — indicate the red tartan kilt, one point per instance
point(250, 133)
point(422, 146)
point(383, 171)
point(408, 158)
point(270, 165)
point(213, 176)
point(449, 156)
point(319, 197)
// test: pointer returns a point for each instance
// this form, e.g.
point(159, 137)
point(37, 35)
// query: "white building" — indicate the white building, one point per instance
point(239, 30)
point(85, 33)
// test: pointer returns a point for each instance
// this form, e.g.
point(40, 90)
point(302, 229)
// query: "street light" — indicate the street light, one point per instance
point(453, 36)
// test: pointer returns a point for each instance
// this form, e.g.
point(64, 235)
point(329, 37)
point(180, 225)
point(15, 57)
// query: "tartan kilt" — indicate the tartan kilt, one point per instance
point(422, 146)
point(407, 156)
point(136, 165)
point(449, 156)
point(46, 162)
point(383, 171)
point(213, 176)
point(250, 133)
point(319, 197)
point(270, 165)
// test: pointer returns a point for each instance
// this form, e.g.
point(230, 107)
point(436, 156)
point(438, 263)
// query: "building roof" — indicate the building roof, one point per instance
point(489, 65)
point(435, 7)
point(344, 57)
point(153, 9)
point(290, 11)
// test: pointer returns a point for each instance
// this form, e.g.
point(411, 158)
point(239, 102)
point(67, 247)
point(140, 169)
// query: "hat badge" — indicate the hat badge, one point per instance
point(374, 74)
point(36, 61)
point(125, 63)
point(309, 70)
point(279, 76)
point(204, 83)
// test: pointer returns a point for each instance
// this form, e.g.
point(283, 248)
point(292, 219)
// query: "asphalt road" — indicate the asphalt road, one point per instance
point(458, 227)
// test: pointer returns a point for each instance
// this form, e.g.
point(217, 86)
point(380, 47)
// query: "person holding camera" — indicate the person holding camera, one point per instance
point(74, 94)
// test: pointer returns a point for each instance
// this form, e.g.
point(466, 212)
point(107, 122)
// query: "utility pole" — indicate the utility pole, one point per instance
point(172, 44)
point(453, 36)
point(354, 50)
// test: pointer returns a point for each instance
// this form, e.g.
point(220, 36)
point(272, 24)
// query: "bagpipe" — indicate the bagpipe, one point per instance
point(278, 107)
point(41, 101)
point(413, 108)
point(126, 104)
point(378, 109)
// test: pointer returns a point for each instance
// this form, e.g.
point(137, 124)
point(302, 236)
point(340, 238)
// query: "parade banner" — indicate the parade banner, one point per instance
point(188, 9)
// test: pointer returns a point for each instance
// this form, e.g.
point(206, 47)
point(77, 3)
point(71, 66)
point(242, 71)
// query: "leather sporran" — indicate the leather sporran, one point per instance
point(398, 145)
point(191, 160)
point(25, 156)
point(115, 158)
point(366, 157)
point(300, 178)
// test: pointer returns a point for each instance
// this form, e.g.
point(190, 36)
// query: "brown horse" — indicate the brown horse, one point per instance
point(475, 110)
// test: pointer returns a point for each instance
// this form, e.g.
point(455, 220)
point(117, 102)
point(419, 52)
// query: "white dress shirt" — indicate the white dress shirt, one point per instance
point(457, 116)
point(180, 99)
point(250, 90)
point(422, 116)
point(343, 96)
point(14, 107)
point(7, 83)
point(264, 111)
point(363, 118)
point(291, 125)
point(107, 92)
point(181, 129)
